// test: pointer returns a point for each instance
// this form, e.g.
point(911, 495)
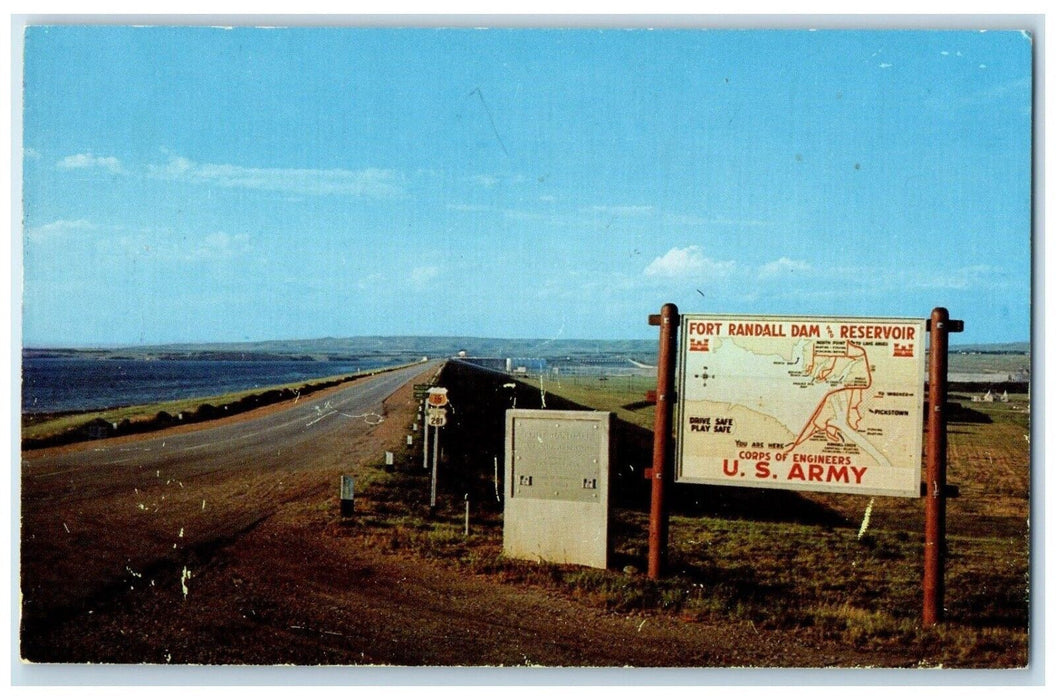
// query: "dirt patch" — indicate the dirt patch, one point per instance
point(305, 588)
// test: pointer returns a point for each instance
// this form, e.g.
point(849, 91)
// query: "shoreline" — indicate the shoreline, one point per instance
point(44, 430)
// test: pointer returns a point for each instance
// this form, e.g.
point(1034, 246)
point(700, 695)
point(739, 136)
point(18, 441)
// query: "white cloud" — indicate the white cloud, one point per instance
point(215, 246)
point(369, 182)
point(886, 65)
point(166, 247)
point(177, 167)
point(693, 220)
point(523, 215)
point(687, 262)
point(968, 277)
point(59, 227)
point(372, 281)
point(81, 161)
point(783, 266)
point(470, 207)
point(622, 210)
point(488, 181)
point(423, 275)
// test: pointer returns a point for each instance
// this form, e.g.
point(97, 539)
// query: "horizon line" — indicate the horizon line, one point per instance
point(539, 339)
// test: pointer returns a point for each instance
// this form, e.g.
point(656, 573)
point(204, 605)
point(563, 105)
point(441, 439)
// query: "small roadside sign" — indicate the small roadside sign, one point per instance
point(437, 396)
point(436, 417)
point(421, 391)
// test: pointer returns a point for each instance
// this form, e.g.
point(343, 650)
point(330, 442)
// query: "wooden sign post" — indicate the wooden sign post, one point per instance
point(939, 326)
point(660, 474)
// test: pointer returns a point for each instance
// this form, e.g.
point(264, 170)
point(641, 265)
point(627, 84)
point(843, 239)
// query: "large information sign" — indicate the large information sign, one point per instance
point(803, 403)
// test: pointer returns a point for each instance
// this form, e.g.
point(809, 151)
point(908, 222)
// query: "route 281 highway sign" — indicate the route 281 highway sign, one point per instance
point(436, 417)
point(802, 403)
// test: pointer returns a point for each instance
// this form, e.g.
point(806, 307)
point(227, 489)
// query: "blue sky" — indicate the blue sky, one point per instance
point(200, 184)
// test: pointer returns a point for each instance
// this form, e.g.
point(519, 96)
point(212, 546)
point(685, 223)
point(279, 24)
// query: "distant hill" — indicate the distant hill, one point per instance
point(401, 348)
point(994, 348)
point(425, 345)
point(1003, 359)
point(386, 346)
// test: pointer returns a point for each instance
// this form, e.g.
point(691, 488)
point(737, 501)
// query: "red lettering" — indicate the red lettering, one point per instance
point(802, 330)
point(864, 332)
point(704, 328)
point(762, 470)
point(837, 474)
point(758, 330)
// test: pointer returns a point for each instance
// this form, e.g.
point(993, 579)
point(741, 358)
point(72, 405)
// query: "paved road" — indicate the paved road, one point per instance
point(106, 513)
point(351, 407)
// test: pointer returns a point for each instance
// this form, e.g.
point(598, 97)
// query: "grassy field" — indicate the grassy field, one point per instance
point(767, 559)
point(999, 363)
point(623, 395)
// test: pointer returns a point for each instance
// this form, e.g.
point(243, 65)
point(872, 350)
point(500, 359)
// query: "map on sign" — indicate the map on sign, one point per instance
point(811, 404)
